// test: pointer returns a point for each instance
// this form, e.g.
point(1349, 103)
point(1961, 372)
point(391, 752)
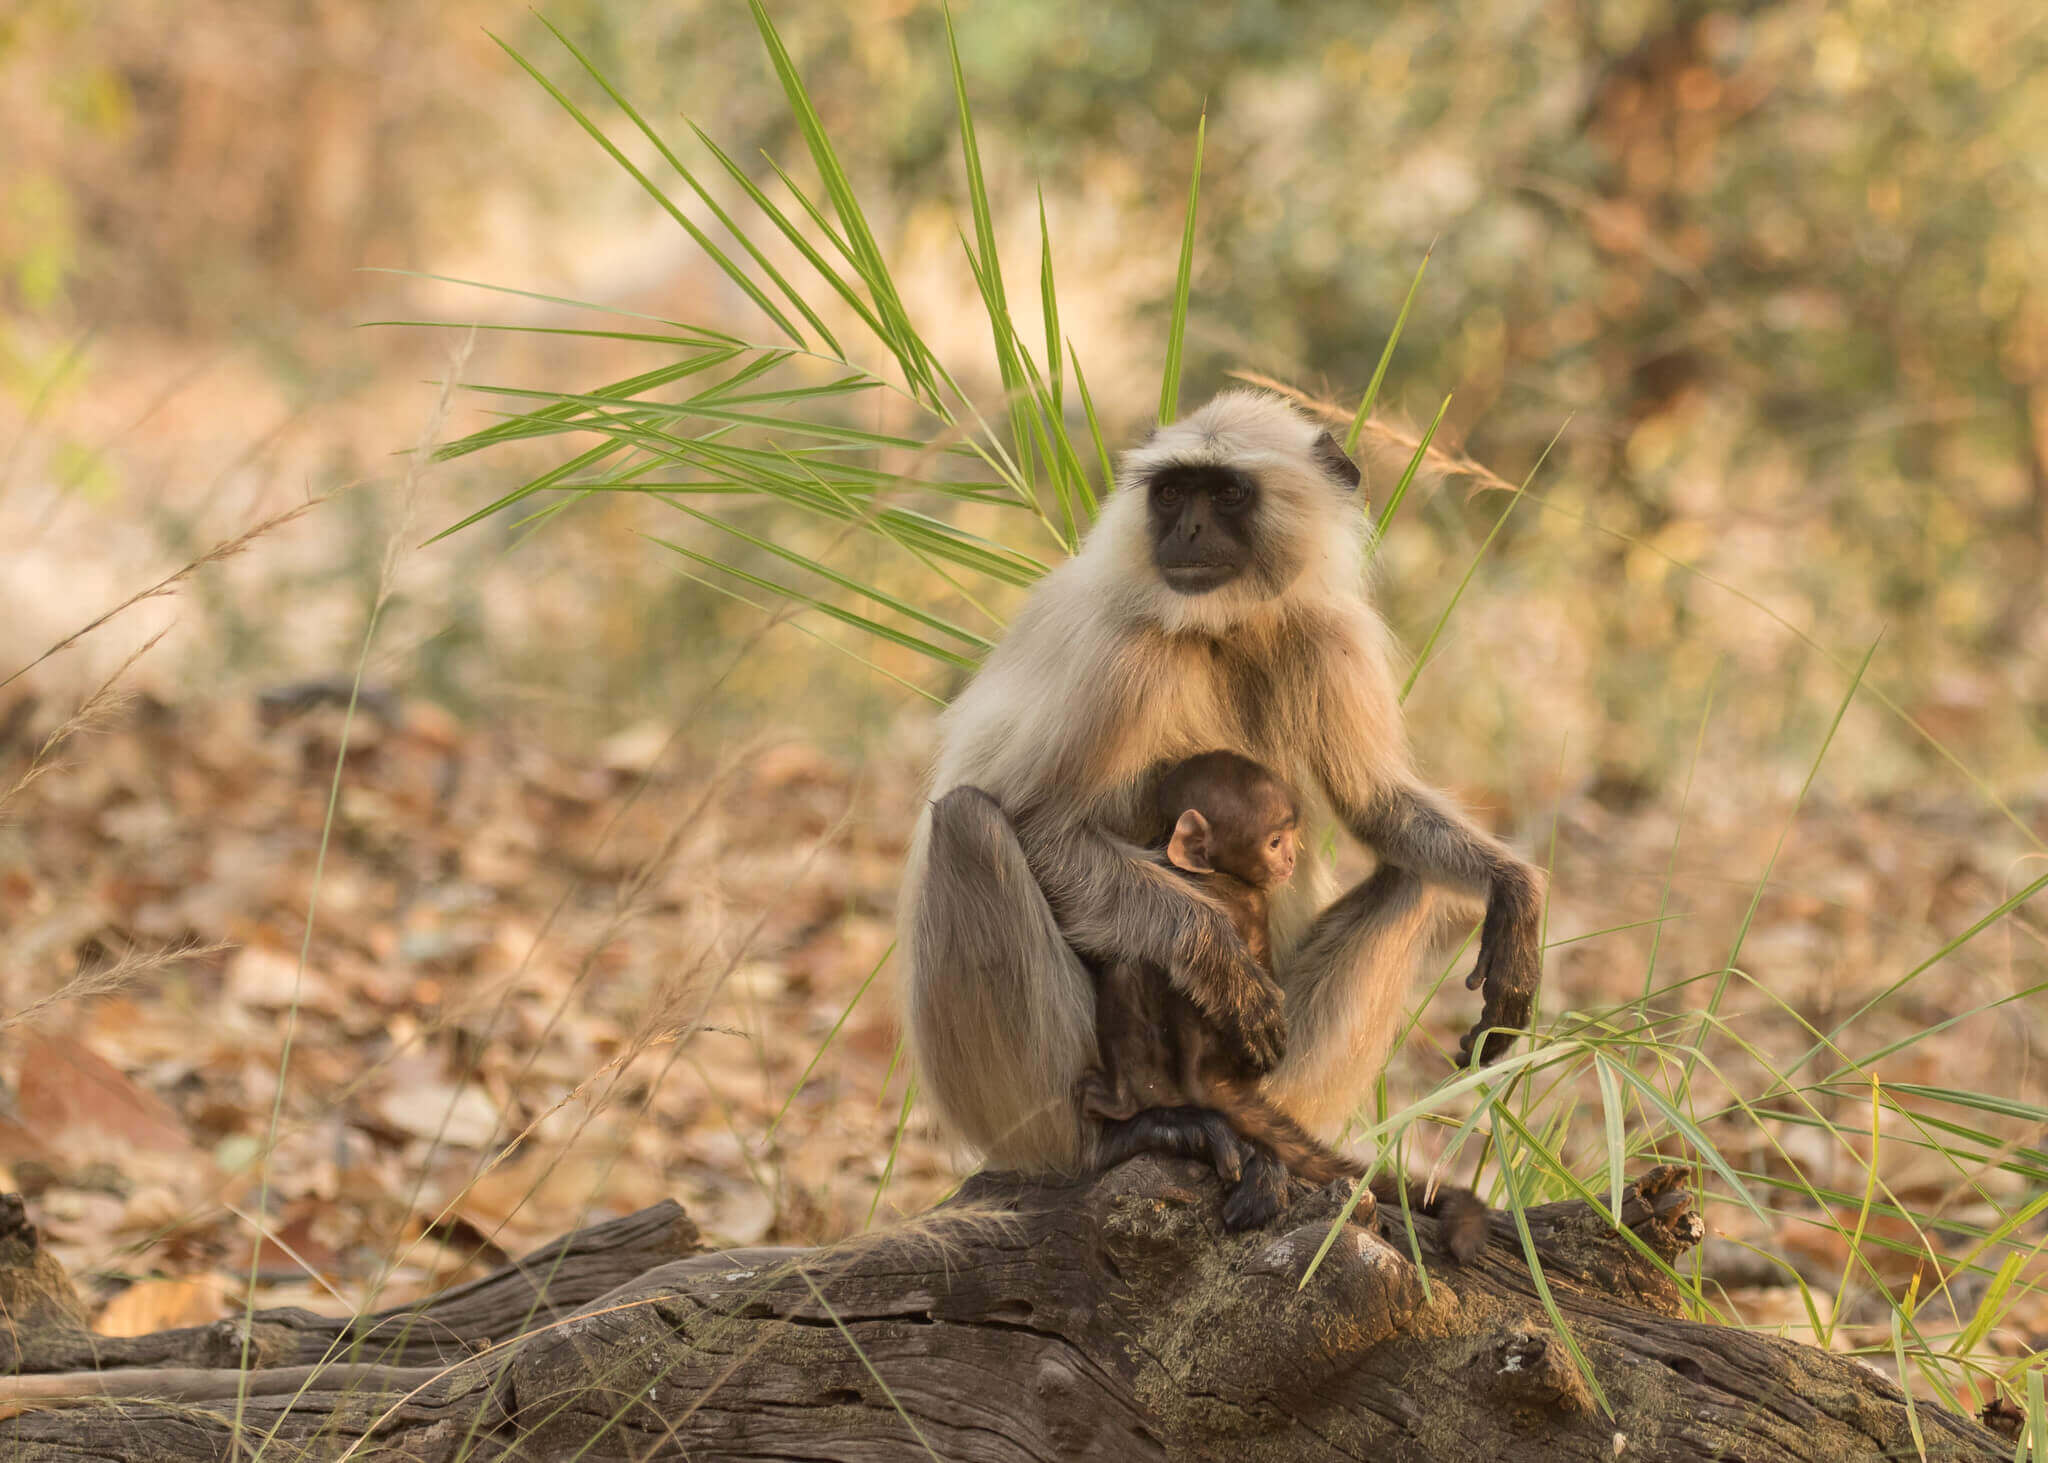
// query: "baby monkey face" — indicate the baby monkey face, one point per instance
point(1231, 816)
point(1265, 857)
point(1257, 839)
point(1282, 848)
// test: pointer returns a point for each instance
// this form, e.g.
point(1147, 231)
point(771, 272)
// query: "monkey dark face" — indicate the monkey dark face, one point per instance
point(1201, 518)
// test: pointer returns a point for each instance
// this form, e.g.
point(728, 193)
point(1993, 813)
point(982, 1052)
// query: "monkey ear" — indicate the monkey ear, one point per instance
point(1335, 461)
point(1189, 847)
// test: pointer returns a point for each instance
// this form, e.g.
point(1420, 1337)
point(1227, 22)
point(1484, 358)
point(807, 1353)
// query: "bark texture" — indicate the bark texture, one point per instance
point(1024, 1321)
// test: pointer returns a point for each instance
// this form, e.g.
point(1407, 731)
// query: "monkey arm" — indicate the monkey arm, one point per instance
point(1112, 902)
point(1413, 828)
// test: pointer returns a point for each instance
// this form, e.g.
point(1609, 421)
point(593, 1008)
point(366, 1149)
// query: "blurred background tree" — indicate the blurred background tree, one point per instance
point(1781, 265)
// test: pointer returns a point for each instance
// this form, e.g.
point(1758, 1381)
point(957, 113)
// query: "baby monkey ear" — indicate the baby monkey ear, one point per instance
point(1189, 847)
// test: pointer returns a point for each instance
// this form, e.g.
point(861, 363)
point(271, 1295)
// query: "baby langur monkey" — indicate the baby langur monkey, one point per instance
point(1168, 1079)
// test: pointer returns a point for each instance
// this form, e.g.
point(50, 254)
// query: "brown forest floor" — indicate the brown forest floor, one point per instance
point(509, 944)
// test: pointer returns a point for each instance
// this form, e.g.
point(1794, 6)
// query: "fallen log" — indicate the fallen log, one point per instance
point(1024, 1321)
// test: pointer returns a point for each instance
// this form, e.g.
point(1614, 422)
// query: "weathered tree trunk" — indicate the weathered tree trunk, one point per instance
point(1023, 1320)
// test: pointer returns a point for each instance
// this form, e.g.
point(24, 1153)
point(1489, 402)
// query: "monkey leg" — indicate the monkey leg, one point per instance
point(1260, 1195)
point(1001, 1012)
point(1102, 1097)
point(1181, 1132)
point(1345, 980)
point(1415, 829)
point(1257, 1176)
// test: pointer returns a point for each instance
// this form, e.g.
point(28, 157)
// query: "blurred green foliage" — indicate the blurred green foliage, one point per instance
point(1782, 265)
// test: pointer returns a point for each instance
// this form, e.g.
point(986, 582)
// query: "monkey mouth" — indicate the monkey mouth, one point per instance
point(1197, 578)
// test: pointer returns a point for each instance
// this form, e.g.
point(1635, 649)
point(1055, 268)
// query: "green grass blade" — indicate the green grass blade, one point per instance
point(969, 550)
point(1422, 657)
point(564, 410)
point(1049, 307)
point(1899, 1358)
point(1035, 422)
point(724, 395)
point(551, 478)
point(1379, 528)
point(796, 237)
point(1813, 770)
point(824, 607)
point(761, 260)
point(832, 576)
point(797, 625)
point(753, 471)
point(1518, 1208)
point(1854, 1248)
point(760, 366)
point(895, 1147)
point(1094, 429)
point(1052, 389)
point(731, 270)
point(1686, 1129)
point(1756, 897)
point(711, 337)
point(1978, 783)
point(818, 217)
point(697, 407)
point(918, 531)
point(1359, 1190)
point(633, 337)
point(983, 256)
point(1613, 1114)
point(1648, 922)
point(1176, 335)
point(861, 1355)
point(1699, 743)
point(1395, 1122)
point(919, 366)
point(830, 1036)
point(1998, 912)
point(1025, 431)
point(1372, 390)
point(902, 541)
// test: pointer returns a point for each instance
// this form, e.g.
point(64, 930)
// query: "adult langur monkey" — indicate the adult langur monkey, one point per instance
point(1219, 601)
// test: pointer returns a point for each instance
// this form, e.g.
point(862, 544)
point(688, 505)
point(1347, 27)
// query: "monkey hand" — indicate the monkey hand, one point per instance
point(1508, 976)
point(1255, 1023)
point(1240, 1000)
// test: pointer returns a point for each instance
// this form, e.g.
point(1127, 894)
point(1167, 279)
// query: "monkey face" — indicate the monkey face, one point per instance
point(1260, 851)
point(1201, 517)
point(1219, 515)
point(1277, 855)
point(1263, 850)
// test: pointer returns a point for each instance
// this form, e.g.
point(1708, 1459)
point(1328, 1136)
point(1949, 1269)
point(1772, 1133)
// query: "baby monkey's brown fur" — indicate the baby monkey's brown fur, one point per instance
point(1167, 1078)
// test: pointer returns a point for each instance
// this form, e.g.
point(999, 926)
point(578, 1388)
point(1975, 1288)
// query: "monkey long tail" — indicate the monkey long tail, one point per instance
point(1460, 1213)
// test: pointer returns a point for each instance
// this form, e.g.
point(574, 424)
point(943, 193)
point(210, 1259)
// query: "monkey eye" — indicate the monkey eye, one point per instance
point(1231, 492)
point(1276, 841)
point(1166, 493)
